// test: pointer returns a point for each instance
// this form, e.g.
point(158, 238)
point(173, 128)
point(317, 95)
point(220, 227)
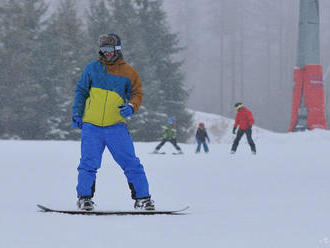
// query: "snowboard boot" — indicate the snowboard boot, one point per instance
point(254, 152)
point(144, 204)
point(85, 203)
point(155, 152)
point(232, 152)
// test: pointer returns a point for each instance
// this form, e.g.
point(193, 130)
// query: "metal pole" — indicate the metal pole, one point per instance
point(308, 109)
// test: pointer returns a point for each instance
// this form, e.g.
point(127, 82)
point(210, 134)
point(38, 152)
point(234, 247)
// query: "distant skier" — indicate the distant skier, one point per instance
point(169, 135)
point(108, 92)
point(201, 137)
point(244, 120)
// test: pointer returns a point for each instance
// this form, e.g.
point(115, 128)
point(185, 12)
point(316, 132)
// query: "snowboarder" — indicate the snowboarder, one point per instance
point(201, 137)
point(244, 120)
point(108, 92)
point(169, 134)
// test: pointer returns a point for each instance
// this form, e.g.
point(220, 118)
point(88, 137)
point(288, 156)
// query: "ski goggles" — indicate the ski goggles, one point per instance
point(109, 49)
point(238, 107)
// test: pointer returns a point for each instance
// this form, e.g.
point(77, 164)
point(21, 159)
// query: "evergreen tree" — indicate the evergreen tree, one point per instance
point(120, 17)
point(148, 45)
point(167, 92)
point(20, 91)
point(98, 20)
point(145, 126)
point(64, 55)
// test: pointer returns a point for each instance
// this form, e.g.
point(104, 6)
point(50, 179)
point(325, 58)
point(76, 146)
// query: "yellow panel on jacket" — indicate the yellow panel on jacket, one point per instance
point(101, 107)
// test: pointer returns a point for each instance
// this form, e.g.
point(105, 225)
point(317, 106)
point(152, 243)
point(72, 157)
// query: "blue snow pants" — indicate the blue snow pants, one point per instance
point(116, 138)
point(199, 143)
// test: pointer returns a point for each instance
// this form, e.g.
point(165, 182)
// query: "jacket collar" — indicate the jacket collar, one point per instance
point(117, 62)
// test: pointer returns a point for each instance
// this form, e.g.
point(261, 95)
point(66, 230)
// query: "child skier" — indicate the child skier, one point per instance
point(201, 137)
point(169, 134)
point(244, 120)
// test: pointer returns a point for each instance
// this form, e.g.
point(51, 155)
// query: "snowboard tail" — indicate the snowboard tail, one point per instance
point(113, 212)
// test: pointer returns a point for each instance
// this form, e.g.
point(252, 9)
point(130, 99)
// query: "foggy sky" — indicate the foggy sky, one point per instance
point(242, 51)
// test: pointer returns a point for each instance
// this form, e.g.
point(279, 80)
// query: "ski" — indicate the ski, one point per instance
point(159, 153)
point(113, 212)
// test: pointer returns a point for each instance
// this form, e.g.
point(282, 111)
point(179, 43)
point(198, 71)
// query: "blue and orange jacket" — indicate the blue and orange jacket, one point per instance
point(102, 88)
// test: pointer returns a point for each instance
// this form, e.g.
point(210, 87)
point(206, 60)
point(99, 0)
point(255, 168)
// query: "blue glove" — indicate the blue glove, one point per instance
point(76, 122)
point(126, 110)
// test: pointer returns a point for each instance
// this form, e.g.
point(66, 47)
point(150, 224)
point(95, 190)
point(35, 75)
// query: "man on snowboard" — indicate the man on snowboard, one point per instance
point(108, 92)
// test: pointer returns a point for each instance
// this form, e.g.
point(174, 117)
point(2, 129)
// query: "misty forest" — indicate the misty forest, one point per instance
point(203, 55)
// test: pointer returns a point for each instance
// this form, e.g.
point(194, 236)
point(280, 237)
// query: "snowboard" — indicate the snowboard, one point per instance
point(113, 212)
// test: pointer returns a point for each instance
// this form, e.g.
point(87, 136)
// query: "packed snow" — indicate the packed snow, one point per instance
point(279, 198)
point(219, 127)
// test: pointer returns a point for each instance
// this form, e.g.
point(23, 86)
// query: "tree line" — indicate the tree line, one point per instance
point(42, 56)
point(243, 51)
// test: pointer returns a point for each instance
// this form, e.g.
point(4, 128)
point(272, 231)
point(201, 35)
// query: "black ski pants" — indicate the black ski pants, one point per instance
point(172, 141)
point(239, 135)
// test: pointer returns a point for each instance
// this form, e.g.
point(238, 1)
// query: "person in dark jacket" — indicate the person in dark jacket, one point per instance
point(169, 135)
point(244, 121)
point(201, 137)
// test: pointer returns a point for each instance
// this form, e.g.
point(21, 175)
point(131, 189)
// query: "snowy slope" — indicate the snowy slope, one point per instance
point(220, 128)
point(279, 198)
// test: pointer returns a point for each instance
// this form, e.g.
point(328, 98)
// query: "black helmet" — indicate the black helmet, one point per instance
point(238, 106)
point(109, 40)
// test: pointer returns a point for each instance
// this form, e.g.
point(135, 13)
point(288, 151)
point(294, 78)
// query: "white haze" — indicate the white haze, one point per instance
point(241, 51)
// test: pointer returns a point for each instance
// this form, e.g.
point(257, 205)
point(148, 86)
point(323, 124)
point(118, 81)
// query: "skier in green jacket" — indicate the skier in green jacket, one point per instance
point(169, 134)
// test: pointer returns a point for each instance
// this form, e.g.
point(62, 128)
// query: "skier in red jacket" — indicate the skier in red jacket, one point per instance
point(244, 120)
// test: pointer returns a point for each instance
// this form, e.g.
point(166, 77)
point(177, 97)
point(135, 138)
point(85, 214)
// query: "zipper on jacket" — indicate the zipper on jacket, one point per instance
point(106, 98)
point(105, 104)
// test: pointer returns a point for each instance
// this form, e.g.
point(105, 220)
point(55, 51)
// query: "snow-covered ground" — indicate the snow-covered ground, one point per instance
point(279, 198)
point(219, 128)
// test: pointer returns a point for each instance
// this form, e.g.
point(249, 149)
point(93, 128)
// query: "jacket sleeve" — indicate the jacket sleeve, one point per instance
point(236, 121)
point(251, 120)
point(173, 133)
point(81, 94)
point(207, 136)
point(136, 92)
point(164, 133)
